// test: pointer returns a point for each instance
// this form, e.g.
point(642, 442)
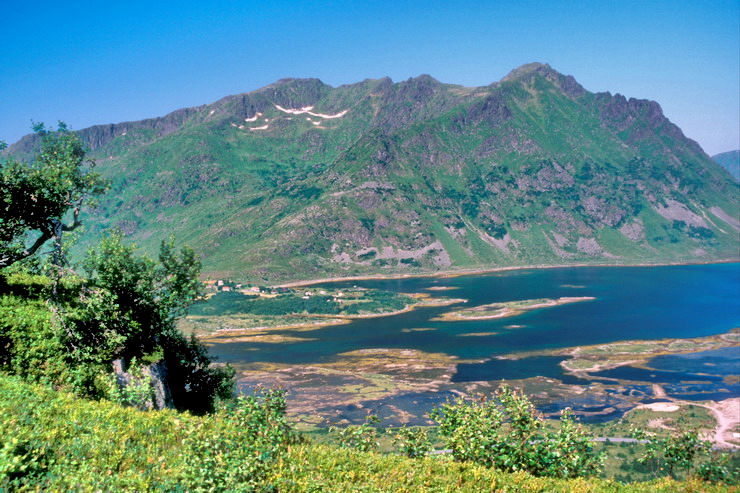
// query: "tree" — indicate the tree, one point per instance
point(128, 308)
point(412, 442)
point(35, 197)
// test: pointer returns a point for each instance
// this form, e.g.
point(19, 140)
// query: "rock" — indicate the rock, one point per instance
point(161, 396)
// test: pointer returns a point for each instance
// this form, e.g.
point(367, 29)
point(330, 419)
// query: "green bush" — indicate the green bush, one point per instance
point(412, 442)
point(363, 438)
point(126, 310)
point(54, 441)
point(718, 470)
point(138, 393)
point(29, 344)
point(507, 433)
point(313, 468)
point(684, 454)
point(238, 444)
point(60, 442)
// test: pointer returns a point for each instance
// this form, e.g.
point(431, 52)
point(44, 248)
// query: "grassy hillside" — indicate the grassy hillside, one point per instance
point(55, 441)
point(302, 180)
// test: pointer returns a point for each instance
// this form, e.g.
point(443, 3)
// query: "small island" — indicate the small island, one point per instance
point(231, 307)
point(507, 309)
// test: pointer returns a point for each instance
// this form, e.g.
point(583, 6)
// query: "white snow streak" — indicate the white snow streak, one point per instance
point(307, 109)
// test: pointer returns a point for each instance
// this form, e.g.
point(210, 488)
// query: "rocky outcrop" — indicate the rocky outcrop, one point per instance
point(154, 375)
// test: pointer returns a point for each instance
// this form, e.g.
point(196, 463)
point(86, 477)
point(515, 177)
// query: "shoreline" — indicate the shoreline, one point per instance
point(330, 320)
point(472, 272)
point(301, 325)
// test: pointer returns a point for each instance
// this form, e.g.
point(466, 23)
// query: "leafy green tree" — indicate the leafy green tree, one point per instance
point(508, 433)
point(128, 308)
point(35, 197)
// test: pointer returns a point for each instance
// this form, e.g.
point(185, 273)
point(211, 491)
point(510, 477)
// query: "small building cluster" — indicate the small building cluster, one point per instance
point(213, 286)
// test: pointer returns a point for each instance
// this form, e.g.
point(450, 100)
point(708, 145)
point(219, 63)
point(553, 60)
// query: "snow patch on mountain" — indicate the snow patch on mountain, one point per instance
point(307, 110)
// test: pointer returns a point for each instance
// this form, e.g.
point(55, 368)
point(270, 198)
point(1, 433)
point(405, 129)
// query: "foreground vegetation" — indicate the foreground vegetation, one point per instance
point(60, 442)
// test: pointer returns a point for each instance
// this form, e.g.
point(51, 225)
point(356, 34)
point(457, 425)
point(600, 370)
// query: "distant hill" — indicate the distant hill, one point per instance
point(729, 161)
point(304, 180)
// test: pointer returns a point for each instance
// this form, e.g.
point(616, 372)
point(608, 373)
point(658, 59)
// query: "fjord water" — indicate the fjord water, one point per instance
point(630, 303)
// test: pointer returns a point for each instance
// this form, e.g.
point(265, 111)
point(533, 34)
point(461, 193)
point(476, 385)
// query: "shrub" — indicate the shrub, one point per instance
point(30, 346)
point(507, 433)
point(238, 445)
point(138, 391)
point(718, 470)
point(683, 450)
point(128, 308)
point(53, 441)
point(412, 442)
point(362, 437)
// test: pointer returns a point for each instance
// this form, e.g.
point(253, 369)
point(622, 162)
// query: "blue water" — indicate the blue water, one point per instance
point(504, 369)
point(723, 361)
point(631, 303)
point(693, 376)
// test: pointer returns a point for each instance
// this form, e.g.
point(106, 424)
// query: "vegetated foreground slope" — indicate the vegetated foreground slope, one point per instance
point(57, 442)
point(302, 180)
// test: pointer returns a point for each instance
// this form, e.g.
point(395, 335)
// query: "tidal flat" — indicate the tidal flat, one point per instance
point(399, 365)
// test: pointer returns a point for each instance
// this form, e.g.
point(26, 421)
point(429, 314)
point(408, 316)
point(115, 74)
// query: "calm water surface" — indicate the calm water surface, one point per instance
point(631, 303)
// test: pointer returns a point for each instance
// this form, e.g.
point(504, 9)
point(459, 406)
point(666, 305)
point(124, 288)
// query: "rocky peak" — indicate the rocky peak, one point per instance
point(99, 136)
point(527, 72)
point(295, 93)
point(418, 88)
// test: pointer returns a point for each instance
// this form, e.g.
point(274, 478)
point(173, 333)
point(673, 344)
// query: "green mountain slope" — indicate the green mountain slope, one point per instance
point(729, 161)
point(302, 180)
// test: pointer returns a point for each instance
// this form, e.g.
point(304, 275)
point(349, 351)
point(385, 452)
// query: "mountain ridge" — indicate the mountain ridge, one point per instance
point(729, 160)
point(172, 120)
point(300, 179)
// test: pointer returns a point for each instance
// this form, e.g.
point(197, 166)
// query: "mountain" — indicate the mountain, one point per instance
point(303, 180)
point(729, 161)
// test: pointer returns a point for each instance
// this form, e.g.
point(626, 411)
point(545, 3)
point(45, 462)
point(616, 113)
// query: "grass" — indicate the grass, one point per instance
point(60, 442)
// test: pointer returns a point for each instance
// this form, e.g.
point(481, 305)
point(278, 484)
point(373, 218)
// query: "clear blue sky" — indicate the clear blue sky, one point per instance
point(88, 63)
